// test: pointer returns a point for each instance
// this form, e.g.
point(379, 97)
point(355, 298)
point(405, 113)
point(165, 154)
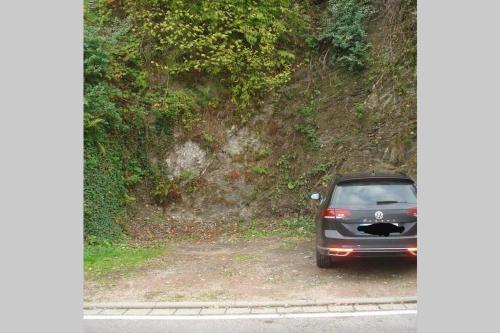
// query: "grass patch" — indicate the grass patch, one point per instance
point(301, 227)
point(295, 227)
point(288, 245)
point(99, 259)
point(244, 257)
point(260, 170)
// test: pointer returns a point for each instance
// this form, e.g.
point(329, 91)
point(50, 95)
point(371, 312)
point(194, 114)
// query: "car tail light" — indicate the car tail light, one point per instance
point(412, 211)
point(341, 252)
point(335, 213)
point(412, 250)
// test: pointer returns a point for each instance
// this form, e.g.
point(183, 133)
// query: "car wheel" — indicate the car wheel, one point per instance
point(323, 261)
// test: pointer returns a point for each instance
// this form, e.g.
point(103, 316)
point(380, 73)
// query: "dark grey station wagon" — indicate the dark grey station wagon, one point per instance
point(366, 215)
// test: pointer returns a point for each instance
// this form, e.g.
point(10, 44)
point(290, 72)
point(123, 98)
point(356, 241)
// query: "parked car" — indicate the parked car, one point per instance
point(366, 215)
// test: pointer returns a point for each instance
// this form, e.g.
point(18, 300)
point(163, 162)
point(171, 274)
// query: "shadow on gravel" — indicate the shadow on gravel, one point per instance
point(367, 266)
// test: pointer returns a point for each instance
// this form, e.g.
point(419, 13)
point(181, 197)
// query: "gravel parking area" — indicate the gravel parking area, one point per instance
point(260, 270)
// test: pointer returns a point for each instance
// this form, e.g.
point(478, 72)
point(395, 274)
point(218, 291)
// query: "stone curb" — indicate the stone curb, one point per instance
point(247, 304)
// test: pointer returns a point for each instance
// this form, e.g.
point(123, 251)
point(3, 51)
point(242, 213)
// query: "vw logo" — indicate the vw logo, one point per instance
point(379, 215)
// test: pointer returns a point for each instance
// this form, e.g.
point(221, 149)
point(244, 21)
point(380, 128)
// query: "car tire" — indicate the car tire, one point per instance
point(323, 261)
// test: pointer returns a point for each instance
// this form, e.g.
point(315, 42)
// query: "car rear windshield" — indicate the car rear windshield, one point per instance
point(374, 193)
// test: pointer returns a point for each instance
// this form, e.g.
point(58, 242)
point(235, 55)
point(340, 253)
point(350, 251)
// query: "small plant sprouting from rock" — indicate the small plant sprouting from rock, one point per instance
point(208, 138)
point(326, 179)
point(187, 175)
point(309, 131)
point(294, 184)
point(263, 153)
point(319, 169)
point(360, 109)
point(260, 170)
point(188, 178)
point(308, 127)
point(284, 162)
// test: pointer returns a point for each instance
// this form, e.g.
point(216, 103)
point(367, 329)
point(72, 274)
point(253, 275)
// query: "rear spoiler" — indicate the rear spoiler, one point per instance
point(362, 179)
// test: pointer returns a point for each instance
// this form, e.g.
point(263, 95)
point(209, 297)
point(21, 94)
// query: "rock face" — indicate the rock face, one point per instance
point(260, 164)
point(243, 141)
point(230, 192)
point(187, 156)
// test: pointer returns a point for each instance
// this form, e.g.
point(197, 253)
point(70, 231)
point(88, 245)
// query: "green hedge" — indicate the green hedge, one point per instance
point(104, 192)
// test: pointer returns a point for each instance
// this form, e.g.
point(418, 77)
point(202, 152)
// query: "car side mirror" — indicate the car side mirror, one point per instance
point(316, 196)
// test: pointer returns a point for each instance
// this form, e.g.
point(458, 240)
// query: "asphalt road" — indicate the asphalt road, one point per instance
point(397, 323)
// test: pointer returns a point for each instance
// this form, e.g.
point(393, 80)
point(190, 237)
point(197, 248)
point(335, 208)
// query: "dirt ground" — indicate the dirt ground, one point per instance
point(259, 270)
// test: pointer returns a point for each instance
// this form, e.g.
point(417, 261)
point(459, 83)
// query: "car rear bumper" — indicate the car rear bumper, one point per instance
point(368, 252)
point(377, 246)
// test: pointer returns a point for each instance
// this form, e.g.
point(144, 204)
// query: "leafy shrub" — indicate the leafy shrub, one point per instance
point(345, 32)
point(134, 173)
point(319, 169)
point(309, 131)
point(307, 111)
point(161, 192)
point(284, 162)
point(307, 125)
point(360, 109)
point(294, 184)
point(208, 138)
point(263, 153)
point(326, 179)
point(187, 175)
point(245, 44)
point(260, 170)
point(291, 184)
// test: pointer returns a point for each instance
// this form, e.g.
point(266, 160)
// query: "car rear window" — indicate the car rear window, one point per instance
point(374, 193)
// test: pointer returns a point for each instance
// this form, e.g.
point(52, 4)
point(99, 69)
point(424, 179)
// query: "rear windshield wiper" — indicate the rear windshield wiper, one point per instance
point(389, 202)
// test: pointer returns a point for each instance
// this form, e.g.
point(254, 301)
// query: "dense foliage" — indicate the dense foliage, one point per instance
point(246, 44)
point(345, 32)
point(104, 116)
point(119, 108)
